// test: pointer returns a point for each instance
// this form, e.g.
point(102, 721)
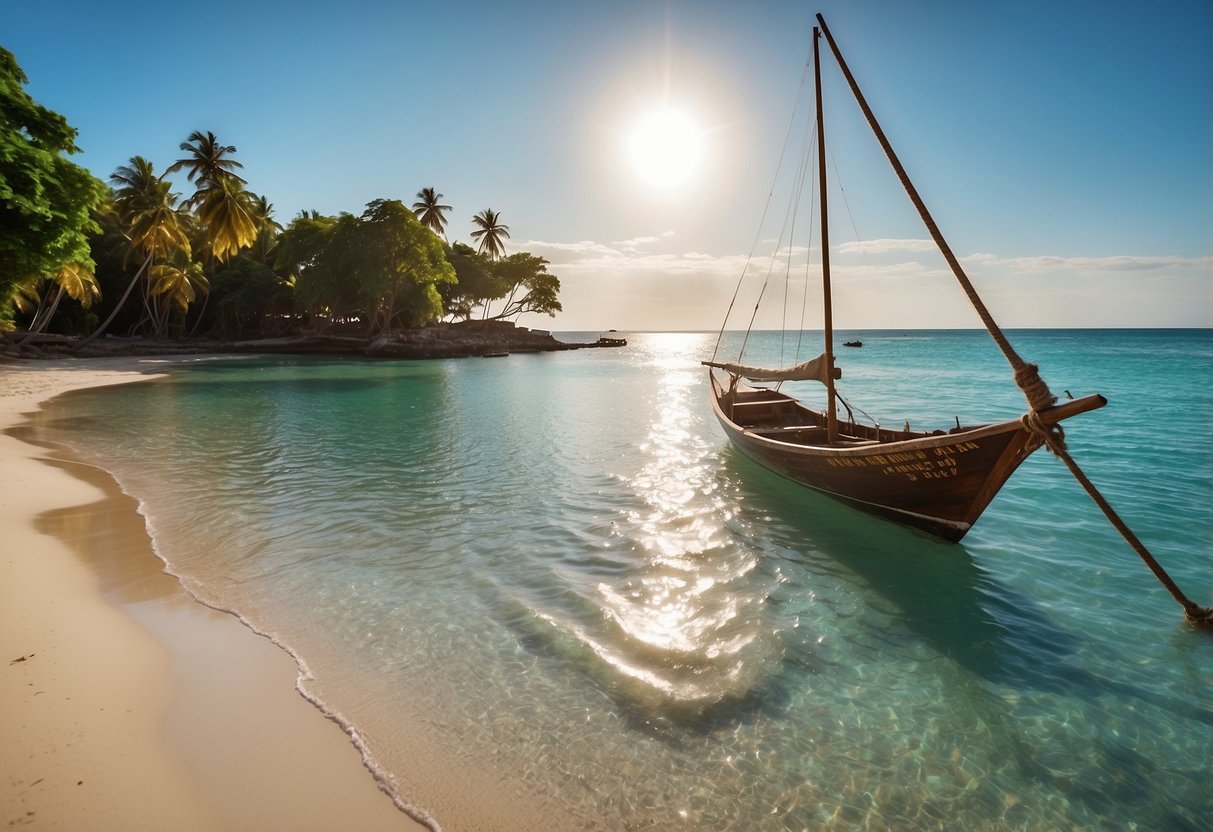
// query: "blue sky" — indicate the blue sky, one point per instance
point(1064, 148)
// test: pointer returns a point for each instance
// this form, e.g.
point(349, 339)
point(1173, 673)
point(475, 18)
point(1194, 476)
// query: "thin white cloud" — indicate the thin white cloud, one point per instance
point(874, 260)
point(586, 247)
point(656, 265)
point(1089, 265)
point(883, 246)
point(636, 242)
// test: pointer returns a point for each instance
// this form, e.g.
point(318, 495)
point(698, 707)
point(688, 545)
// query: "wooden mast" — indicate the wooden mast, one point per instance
point(832, 409)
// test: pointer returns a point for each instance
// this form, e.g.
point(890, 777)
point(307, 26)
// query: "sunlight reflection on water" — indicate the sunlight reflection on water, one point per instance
point(686, 621)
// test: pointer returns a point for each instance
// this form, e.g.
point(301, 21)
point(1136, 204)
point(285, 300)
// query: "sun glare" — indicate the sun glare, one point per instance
point(666, 148)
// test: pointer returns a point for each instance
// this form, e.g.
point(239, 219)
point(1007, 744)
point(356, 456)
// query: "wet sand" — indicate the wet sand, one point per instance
point(127, 705)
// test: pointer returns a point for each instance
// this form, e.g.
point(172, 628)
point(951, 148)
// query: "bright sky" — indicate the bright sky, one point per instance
point(1064, 148)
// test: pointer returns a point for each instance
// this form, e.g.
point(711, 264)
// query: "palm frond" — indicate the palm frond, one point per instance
point(79, 283)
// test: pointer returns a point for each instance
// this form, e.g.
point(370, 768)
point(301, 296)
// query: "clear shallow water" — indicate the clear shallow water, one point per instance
point(544, 593)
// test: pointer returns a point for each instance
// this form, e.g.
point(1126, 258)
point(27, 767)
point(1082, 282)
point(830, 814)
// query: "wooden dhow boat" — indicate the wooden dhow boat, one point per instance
point(937, 481)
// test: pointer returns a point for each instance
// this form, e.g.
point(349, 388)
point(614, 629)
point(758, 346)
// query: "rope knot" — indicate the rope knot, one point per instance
point(1052, 436)
point(1039, 397)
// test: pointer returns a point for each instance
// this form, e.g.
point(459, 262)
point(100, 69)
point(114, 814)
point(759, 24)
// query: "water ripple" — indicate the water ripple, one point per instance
point(551, 571)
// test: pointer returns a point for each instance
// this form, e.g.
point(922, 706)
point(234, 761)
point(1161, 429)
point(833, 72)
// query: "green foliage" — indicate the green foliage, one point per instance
point(74, 281)
point(476, 282)
point(317, 251)
point(521, 279)
point(268, 228)
point(529, 285)
point(302, 242)
point(420, 305)
point(381, 267)
point(45, 200)
point(244, 293)
point(399, 261)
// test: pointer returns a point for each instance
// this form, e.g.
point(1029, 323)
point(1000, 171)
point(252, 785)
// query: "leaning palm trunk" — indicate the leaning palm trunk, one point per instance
point(118, 308)
point(201, 314)
point(35, 324)
point(43, 317)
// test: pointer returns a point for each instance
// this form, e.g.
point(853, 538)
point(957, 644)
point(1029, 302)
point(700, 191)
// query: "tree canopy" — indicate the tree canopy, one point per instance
point(530, 288)
point(45, 199)
point(476, 283)
point(522, 280)
point(382, 267)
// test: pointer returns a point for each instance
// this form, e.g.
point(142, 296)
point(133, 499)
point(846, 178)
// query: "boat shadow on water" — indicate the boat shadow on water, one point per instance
point(932, 588)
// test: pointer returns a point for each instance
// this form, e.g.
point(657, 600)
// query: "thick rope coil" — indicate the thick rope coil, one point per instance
point(1039, 397)
point(1054, 438)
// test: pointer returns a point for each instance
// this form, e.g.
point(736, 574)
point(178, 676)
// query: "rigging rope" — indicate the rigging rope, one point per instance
point(1027, 376)
point(1054, 438)
point(790, 227)
point(762, 222)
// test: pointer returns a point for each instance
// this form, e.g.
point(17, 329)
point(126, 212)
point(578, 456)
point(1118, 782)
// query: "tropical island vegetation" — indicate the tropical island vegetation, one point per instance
point(136, 259)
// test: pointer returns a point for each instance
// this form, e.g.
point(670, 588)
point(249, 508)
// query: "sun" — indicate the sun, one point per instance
point(666, 148)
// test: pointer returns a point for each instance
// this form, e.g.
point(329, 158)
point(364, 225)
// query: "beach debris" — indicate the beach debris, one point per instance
point(22, 659)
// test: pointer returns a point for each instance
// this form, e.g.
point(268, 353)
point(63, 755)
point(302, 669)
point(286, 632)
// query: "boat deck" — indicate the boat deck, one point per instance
point(774, 415)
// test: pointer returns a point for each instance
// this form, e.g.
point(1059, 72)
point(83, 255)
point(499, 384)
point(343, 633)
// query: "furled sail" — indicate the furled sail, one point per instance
point(817, 369)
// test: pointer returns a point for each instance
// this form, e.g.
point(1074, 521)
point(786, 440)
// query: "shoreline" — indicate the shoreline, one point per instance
point(128, 704)
point(466, 340)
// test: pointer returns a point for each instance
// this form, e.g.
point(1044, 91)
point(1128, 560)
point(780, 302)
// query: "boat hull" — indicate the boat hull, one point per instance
point(938, 486)
point(939, 483)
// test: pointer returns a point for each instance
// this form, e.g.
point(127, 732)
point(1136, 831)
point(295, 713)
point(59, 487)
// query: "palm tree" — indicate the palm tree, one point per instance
point(74, 280)
point(134, 183)
point(263, 213)
point(153, 224)
point(178, 280)
point(227, 213)
point(208, 161)
point(268, 228)
point(223, 207)
point(490, 233)
point(430, 211)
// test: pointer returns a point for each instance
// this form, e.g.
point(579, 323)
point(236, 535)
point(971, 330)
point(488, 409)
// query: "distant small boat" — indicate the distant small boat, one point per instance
point(495, 354)
point(852, 343)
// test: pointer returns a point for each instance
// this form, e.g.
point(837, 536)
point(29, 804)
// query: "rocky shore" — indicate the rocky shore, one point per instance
point(474, 338)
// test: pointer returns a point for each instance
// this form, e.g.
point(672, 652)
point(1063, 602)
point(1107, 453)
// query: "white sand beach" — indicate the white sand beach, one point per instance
point(127, 705)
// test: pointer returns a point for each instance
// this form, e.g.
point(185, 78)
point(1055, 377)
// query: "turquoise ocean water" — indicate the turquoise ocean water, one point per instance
point(543, 593)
